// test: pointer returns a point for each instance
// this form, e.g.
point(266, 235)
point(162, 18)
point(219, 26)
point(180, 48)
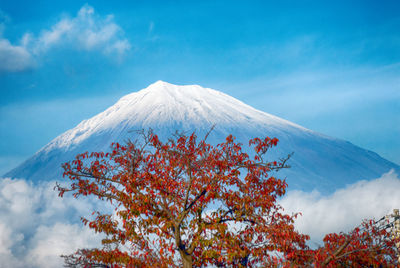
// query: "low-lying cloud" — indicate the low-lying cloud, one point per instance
point(344, 209)
point(37, 226)
point(87, 31)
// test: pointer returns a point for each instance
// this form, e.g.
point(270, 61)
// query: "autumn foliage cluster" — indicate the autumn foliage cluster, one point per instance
point(186, 203)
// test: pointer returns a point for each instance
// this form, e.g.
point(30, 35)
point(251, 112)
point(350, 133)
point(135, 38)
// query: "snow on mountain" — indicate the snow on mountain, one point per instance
point(319, 162)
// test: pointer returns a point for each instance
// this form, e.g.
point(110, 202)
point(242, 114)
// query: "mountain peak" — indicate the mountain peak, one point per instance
point(172, 88)
point(319, 161)
point(162, 87)
point(160, 84)
point(192, 106)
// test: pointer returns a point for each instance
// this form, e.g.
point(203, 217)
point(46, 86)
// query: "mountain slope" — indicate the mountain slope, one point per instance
point(319, 162)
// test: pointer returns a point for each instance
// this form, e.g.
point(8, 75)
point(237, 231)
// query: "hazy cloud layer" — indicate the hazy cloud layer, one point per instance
point(60, 114)
point(86, 31)
point(346, 208)
point(36, 226)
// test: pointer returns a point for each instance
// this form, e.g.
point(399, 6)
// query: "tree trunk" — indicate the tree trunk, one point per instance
point(187, 260)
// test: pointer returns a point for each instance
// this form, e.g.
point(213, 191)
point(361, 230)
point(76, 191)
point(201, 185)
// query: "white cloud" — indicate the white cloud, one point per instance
point(36, 226)
point(344, 209)
point(49, 242)
point(51, 37)
point(14, 58)
point(86, 31)
point(119, 47)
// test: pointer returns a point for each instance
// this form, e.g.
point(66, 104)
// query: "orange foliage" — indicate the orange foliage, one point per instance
point(187, 203)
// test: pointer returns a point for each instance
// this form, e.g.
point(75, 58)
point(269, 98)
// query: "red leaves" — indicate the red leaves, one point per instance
point(263, 145)
point(213, 205)
point(167, 189)
point(368, 245)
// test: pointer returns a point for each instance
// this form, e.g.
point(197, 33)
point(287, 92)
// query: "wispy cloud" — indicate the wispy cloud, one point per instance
point(358, 104)
point(87, 31)
point(151, 27)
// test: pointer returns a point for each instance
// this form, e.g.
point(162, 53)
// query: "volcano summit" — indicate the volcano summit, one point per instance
point(319, 162)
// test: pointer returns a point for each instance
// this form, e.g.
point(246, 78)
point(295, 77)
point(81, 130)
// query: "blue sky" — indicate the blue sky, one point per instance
point(331, 66)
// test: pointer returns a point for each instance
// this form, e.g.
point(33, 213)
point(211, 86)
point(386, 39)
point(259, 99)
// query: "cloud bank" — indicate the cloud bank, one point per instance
point(344, 209)
point(36, 226)
point(87, 31)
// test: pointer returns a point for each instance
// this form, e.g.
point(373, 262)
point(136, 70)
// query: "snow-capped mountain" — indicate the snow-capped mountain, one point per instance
point(319, 162)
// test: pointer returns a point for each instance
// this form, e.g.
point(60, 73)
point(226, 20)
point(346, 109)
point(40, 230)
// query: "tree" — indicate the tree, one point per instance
point(184, 201)
point(187, 203)
point(368, 245)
